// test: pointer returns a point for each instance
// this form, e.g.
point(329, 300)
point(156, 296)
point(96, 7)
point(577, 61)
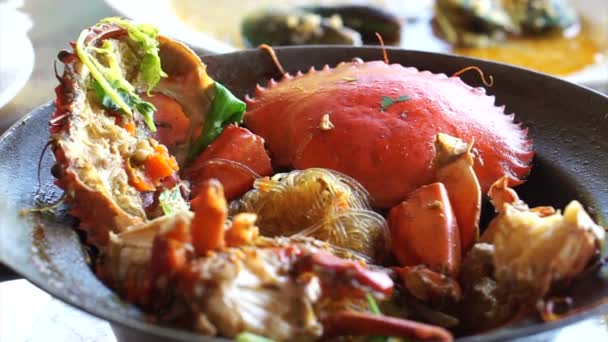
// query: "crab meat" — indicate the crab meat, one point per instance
point(534, 252)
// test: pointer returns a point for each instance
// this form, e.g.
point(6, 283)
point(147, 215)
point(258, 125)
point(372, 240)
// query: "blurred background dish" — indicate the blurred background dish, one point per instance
point(546, 36)
point(16, 51)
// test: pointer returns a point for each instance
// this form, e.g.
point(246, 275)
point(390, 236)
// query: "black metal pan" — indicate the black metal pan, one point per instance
point(569, 125)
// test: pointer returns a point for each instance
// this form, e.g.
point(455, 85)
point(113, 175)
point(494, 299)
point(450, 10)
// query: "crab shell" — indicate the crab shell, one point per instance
point(91, 150)
point(335, 118)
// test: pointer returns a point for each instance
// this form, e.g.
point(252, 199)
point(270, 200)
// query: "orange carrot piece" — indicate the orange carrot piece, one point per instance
point(130, 127)
point(424, 231)
point(160, 164)
point(210, 213)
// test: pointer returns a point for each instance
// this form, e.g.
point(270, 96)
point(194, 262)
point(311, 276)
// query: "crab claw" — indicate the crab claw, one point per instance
point(333, 271)
point(454, 162)
point(424, 231)
point(210, 213)
point(357, 323)
point(236, 158)
point(430, 286)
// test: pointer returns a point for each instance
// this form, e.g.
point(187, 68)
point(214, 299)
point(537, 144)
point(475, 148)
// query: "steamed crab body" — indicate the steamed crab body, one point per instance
point(377, 122)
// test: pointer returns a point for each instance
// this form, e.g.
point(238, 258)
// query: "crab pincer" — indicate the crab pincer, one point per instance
point(424, 230)
point(454, 161)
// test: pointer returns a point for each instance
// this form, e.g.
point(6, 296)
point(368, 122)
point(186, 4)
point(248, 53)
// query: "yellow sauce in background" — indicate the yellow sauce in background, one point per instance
point(558, 55)
point(555, 54)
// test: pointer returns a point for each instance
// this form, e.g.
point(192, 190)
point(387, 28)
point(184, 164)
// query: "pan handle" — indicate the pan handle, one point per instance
point(7, 274)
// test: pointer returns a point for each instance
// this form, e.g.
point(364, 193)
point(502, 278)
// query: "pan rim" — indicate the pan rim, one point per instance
point(172, 333)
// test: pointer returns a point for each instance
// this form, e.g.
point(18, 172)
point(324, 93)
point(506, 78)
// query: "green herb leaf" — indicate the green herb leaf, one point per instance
point(387, 101)
point(171, 201)
point(146, 37)
point(225, 109)
point(249, 337)
point(146, 110)
point(111, 88)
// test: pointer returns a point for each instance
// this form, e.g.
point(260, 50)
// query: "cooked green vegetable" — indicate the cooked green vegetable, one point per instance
point(171, 201)
point(146, 109)
point(110, 86)
point(373, 307)
point(225, 109)
point(249, 337)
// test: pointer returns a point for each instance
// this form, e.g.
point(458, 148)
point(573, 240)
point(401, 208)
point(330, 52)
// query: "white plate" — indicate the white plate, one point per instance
point(162, 14)
point(16, 50)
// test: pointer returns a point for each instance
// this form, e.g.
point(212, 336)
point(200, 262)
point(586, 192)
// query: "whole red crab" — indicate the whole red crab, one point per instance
point(377, 122)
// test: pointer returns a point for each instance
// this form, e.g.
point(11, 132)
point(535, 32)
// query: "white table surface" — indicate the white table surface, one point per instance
point(29, 314)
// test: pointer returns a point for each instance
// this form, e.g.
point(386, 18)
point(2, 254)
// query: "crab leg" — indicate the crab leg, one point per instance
point(357, 323)
point(455, 170)
point(424, 230)
point(210, 213)
point(330, 267)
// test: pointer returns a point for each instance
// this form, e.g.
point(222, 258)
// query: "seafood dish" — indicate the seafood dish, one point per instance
point(560, 37)
point(341, 202)
point(346, 24)
point(537, 34)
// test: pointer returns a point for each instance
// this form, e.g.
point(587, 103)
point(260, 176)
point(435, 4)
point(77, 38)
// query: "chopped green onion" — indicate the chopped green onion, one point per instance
point(373, 307)
point(146, 36)
point(249, 337)
point(86, 58)
point(109, 84)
